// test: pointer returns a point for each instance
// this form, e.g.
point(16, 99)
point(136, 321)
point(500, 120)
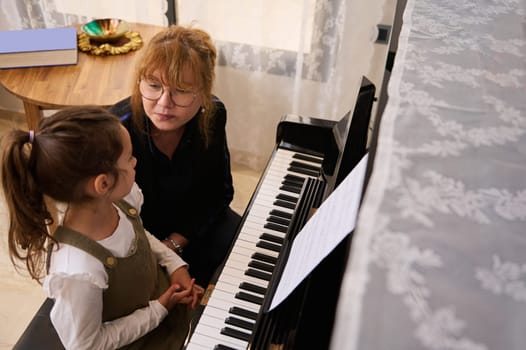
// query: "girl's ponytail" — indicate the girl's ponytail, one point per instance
point(27, 234)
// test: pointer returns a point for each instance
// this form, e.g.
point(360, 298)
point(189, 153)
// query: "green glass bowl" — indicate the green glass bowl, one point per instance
point(105, 30)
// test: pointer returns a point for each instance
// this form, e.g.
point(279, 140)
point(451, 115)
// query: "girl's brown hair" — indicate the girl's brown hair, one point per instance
point(71, 146)
point(170, 52)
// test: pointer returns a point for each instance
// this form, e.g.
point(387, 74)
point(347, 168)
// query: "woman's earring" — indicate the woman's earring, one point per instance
point(203, 109)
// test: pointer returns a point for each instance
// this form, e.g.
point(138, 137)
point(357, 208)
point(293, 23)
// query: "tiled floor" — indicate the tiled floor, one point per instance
point(20, 296)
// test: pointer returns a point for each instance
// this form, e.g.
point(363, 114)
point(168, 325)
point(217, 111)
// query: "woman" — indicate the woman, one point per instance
point(183, 163)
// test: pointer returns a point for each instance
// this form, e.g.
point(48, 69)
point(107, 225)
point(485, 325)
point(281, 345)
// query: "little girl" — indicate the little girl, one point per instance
point(114, 285)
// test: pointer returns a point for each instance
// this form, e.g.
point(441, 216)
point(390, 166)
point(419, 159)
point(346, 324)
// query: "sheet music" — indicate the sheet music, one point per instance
point(329, 225)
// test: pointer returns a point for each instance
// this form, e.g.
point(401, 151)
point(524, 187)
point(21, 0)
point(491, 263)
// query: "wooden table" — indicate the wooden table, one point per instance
point(99, 80)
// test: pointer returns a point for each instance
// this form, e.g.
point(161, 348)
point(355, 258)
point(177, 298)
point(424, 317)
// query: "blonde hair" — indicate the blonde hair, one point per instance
point(170, 52)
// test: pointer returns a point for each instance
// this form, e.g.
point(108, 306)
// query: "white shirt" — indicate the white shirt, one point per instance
point(76, 281)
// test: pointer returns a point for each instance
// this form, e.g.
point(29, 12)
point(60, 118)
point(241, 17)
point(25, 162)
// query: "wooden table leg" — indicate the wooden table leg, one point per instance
point(33, 115)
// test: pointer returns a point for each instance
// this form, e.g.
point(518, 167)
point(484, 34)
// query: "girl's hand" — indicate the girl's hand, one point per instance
point(177, 294)
point(181, 277)
point(197, 293)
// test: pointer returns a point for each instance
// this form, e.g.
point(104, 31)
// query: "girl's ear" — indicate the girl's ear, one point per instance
point(102, 184)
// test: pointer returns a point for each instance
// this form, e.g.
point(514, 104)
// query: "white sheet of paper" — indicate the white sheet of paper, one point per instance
point(334, 219)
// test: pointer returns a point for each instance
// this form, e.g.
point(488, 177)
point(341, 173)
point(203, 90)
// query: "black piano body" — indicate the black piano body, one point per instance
point(312, 156)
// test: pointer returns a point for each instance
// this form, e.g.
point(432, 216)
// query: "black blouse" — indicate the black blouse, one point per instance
point(188, 193)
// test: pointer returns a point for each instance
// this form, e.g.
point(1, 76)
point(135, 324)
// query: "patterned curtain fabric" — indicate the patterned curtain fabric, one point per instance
point(438, 257)
point(27, 14)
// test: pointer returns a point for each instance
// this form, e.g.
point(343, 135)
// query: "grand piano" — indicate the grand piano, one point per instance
point(311, 157)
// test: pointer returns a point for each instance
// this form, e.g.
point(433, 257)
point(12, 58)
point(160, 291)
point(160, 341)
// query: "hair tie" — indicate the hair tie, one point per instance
point(31, 136)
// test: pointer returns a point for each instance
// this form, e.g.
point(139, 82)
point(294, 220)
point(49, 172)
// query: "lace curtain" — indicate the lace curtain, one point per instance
point(317, 75)
point(25, 14)
point(438, 257)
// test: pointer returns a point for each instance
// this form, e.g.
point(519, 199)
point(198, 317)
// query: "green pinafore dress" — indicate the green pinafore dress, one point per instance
point(133, 281)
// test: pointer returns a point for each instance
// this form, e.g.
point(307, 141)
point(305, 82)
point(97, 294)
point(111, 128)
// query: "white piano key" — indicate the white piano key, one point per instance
point(248, 251)
point(195, 346)
point(252, 234)
point(237, 258)
point(232, 289)
point(241, 277)
point(222, 314)
point(274, 192)
point(218, 324)
point(215, 312)
point(211, 336)
point(221, 295)
point(252, 245)
point(226, 305)
point(259, 211)
point(254, 229)
point(271, 207)
point(251, 228)
point(213, 322)
point(238, 279)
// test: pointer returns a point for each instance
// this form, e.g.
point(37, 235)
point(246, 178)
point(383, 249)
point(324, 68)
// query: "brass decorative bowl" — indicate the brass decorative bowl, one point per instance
point(105, 30)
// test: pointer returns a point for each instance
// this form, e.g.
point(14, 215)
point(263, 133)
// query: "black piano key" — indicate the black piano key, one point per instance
point(287, 198)
point(269, 246)
point(292, 189)
point(234, 333)
point(222, 347)
point(276, 227)
point(294, 178)
point(304, 171)
point(258, 274)
point(292, 183)
point(305, 166)
point(272, 238)
point(307, 158)
point(236, 310)
point(280, 213)
point(234, 321)
point(278, 220)
point(263, 257)
point(285, 204)
point(261, 265)
point(253, 288)
point(249, 297)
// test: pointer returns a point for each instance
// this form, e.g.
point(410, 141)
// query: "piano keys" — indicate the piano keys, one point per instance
point(302, 171)
point(231, 312)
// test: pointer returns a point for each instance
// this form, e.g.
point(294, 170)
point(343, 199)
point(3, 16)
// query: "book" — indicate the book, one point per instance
point(38, 47)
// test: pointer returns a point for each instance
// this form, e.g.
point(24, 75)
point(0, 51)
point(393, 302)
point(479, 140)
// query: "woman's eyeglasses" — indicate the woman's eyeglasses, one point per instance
point(152, 90)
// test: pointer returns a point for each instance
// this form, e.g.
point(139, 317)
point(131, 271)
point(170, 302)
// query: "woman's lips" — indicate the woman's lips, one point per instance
point(164, 117)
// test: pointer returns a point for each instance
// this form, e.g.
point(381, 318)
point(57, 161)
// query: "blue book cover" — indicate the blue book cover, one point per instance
point(38, 40)
point(38, 47)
